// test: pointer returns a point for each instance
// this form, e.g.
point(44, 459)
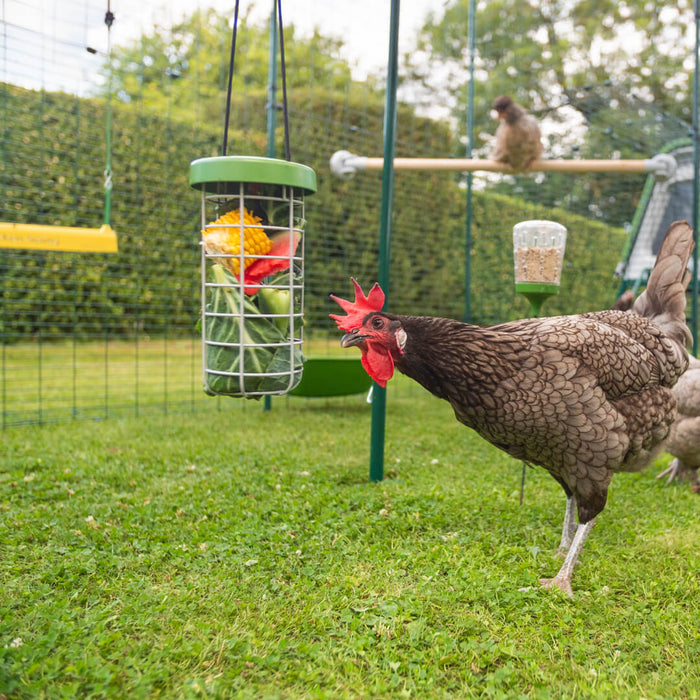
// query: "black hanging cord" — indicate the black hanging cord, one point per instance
point(230, 80)
point(285, 110)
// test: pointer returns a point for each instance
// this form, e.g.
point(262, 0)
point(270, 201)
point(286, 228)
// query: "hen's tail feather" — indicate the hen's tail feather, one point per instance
point(663, 300)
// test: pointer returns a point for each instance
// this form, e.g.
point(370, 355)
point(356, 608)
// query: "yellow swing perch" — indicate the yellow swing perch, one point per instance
point(58, 238)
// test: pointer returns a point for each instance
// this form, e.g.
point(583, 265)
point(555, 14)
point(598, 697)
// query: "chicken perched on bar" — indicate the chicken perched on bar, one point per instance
point(518, 137)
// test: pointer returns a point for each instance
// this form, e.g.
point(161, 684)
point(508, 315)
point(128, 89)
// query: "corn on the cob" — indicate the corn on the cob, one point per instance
point(227, 239)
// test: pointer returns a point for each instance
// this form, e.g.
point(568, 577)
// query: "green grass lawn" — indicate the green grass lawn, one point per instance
point(242, 553)
point(49, 382)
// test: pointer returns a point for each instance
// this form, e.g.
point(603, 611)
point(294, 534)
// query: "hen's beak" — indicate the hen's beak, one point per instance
point(351, 339)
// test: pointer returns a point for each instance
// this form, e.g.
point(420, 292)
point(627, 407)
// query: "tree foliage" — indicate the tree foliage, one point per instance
point(183, 70)
point(607, 79)
point(544, 53)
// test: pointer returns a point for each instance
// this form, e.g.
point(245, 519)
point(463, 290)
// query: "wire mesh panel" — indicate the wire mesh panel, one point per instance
point(252, 274)
point(124, 325)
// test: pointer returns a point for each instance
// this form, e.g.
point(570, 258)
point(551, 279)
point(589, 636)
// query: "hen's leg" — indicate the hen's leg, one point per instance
point(563, 579)
point(672, 471)
point(569, 528)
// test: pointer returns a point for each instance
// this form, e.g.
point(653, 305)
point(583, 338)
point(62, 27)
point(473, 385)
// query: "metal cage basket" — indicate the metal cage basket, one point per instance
point(252, 272)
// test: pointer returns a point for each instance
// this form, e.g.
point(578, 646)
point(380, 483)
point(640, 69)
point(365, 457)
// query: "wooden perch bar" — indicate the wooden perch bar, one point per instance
point(474, 164)
point(346, 164)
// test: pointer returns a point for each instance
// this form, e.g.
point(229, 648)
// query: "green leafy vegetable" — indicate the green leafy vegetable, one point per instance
point(258, 341)
point(275, 301)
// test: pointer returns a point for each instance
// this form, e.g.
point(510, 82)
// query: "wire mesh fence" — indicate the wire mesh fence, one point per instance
point(90, 335)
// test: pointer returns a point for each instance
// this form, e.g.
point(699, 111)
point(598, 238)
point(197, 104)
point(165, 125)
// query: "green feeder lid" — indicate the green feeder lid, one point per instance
point(216, 174)
point(536, 288)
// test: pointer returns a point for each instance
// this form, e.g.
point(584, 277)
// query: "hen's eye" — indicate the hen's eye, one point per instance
point(377, 322)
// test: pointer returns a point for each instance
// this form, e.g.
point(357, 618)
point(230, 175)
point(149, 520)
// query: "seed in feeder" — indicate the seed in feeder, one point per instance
point(538, 264)
point(226, 240)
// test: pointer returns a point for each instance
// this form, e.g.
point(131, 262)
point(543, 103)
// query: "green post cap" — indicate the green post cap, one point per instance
point(215, 174)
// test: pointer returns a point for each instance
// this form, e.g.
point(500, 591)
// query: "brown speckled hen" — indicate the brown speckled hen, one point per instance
point(518, 137)
point(684, 440)
point(583, 396)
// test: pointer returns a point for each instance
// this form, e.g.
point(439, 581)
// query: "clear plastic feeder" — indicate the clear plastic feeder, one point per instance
point(538, 253)
point(538, 248)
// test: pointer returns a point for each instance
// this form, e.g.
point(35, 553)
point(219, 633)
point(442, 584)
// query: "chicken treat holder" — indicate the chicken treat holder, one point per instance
point(252, 261)
point(538, 251)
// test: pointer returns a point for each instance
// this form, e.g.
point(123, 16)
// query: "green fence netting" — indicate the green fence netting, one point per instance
point(87, 335)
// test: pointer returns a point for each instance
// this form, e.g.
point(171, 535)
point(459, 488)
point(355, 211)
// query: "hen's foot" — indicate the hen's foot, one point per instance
point(678, 470)
point(560, 582)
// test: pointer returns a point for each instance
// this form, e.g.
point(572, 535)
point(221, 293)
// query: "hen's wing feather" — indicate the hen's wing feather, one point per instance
point(616, 347)
point(670, 357)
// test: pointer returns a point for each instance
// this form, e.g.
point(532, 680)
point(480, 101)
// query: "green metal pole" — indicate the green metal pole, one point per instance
point(109, 20)
point(376, 461)
point(470, 139)
point(271, 115)
point(696, 178)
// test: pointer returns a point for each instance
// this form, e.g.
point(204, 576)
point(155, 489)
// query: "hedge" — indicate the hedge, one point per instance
point(53, 155)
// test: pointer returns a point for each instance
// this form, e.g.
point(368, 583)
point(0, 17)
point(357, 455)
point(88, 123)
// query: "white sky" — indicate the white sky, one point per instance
point(27, 59)
point(363, 24)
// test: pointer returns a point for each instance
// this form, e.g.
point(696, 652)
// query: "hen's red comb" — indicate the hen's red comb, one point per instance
point(358, 309)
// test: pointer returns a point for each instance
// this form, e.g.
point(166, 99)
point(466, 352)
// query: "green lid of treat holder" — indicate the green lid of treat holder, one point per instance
point(547, 288)
point(219, 174)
